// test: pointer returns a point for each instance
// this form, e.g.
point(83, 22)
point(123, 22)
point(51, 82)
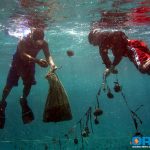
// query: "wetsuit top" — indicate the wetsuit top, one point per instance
point(117, 42)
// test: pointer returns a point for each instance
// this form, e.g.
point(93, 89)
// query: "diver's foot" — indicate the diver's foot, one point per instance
point(2, 114)
point(27, 114)
point(146, 66)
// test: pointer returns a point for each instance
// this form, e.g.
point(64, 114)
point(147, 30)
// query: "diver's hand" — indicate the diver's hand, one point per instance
point(42, 63)
point(107, 72)
point(110, 70)
point(54, 68)
point(113, 70)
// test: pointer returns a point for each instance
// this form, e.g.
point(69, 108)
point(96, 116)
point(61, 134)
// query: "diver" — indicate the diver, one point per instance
point(23, 65)
point(117, 41)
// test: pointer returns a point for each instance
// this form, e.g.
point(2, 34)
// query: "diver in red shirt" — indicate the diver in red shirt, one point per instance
point(136, 50)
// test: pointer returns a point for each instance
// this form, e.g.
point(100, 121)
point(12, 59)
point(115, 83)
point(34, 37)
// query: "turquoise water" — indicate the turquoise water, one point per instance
point(67, 24)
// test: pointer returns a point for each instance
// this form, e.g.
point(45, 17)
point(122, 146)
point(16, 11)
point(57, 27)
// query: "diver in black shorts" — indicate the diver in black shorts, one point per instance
point(23, 65)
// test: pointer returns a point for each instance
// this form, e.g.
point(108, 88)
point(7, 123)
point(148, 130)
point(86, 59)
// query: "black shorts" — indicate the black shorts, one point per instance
point(18, 69)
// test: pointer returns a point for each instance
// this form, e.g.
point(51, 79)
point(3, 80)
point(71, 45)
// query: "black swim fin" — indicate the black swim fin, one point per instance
point(27, 114)
point(2, 114)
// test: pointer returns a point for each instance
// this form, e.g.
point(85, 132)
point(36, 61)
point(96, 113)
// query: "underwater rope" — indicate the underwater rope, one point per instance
point(134, 116)
point(80, 122)
point(118, 88)
point(88, 115)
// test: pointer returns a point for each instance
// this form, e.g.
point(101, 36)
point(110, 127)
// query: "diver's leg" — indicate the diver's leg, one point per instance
point(6, 92)
point(3, 104)
point(27, 114)
point(12, 80)
point(146, 65)
point(28, 81)
point(26, 90)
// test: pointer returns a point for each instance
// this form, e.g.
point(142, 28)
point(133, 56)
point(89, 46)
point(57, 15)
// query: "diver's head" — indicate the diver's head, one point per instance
point(37, 34)
point(93, 37)
point(99, 37)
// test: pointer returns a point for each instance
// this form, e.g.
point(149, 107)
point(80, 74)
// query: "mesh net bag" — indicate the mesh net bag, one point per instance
point(57, 106)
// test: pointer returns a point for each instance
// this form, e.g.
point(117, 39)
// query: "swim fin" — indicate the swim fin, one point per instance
point(2, 114)
point(27, 114)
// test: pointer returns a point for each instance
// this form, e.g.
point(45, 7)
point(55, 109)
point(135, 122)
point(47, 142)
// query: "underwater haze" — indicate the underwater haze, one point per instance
point(66, 24)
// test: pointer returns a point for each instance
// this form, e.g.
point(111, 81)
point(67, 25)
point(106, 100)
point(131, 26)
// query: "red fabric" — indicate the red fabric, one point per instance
point(141, 50)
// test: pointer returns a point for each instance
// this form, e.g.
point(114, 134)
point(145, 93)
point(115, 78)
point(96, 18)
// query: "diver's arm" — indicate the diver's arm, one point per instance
point(119, 53)
point(104, 54)
point(48, 57)
point(28, 58)
point(117, 60)
point(110, 68)
point(21, 49)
